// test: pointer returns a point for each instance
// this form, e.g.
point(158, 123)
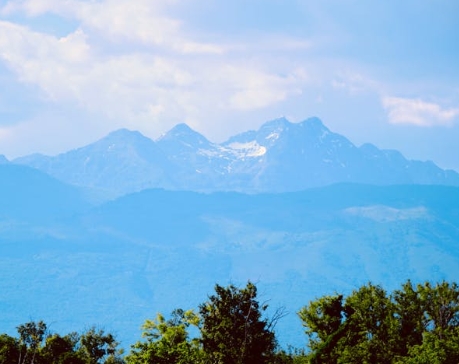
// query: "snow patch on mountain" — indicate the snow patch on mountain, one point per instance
point(250, 149)
point(236, 150)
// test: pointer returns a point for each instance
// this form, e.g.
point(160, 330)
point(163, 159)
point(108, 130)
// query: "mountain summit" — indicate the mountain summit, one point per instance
point(124, 161)
point(279, 156)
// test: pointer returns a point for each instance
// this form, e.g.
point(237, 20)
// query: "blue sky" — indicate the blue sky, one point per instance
point(383, 72)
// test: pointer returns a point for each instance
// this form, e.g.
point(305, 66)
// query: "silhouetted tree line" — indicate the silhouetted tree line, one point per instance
point(414, 324)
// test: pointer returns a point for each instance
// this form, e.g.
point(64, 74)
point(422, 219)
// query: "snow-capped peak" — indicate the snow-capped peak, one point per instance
point(249, 149)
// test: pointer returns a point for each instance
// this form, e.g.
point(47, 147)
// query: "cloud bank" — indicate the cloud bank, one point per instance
point(131, 63)
point(418, 112)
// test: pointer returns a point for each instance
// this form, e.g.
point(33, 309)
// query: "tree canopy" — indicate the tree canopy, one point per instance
point(416, 324)
point(412, 325)
point(36, 345)
point(233, 328)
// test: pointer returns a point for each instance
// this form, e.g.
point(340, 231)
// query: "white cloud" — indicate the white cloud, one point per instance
point(418, 112)
point(141, 85)
point(54, 64)
point(118, 21)
point(131, 61)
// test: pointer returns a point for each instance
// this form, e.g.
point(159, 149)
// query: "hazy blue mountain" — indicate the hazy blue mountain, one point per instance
point(29, 195)
point(121, 262)
point(124, 161)
point(281, 156)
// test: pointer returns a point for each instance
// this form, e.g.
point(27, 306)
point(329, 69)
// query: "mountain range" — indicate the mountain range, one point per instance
point(114, 232)
point(279, 157)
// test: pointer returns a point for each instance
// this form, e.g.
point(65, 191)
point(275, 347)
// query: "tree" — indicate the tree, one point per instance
point(31, 337)
point(441, 306)
point(360, 330)
point(372, 329)
point(167, 341)
point(98, 347)
point(61, 349)
point(434, 350)
point(324, 325)
point(409, 311)
point(9, 349)
point(434, 310)
point(414, 325)
point(233, 329)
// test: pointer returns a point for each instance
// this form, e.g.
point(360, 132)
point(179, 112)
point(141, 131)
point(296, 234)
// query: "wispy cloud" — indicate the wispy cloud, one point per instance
point(118, 21)
point(417, 112)
point(140, 84)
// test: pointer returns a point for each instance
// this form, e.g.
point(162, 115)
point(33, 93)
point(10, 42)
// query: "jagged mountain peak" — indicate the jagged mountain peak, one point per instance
point(181, 128)
point(183, 134)
point(278, 124)
point(280, 121)
point(121, 142)
point(273, 130)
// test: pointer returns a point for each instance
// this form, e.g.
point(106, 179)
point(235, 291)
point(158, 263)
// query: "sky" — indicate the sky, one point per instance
point(383, 72)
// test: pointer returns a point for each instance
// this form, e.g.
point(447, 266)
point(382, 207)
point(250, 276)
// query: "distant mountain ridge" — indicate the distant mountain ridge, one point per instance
point(279, 157)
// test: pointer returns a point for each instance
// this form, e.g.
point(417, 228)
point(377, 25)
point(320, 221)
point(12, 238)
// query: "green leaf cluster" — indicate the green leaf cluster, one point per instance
point(231, 329)
point(167, 341)
point(415, 324)
point(36, 345)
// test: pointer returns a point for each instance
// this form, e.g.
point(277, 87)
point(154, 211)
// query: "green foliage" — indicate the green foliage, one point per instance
point(413, 325)
point(9, 349)
point(371, 330)
point(98, 347)
point(167, 341)
point(409, 310)
point(233, 330)
point(438, 316)
point(60, 349)
point(37, 346)
point(31, 336)
point(322, 320)
point(441, 306)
